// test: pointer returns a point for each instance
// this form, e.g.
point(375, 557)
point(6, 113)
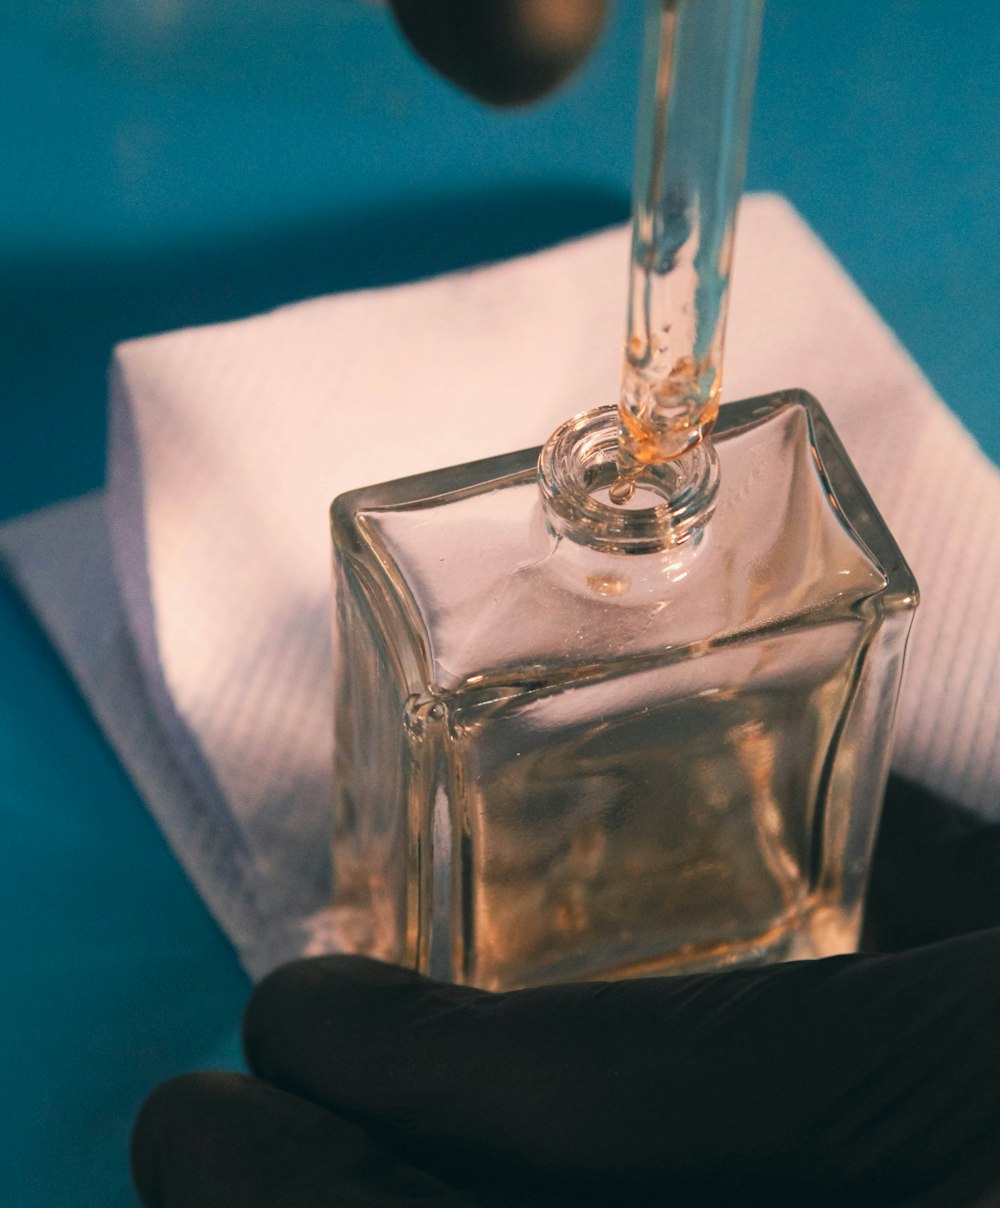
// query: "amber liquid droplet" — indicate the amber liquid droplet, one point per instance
point(621, 491)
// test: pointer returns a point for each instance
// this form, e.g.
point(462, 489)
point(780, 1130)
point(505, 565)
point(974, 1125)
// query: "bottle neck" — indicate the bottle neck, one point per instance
point(669, 507)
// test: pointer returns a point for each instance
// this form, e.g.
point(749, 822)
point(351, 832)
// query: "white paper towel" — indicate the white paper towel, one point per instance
point(191, 600)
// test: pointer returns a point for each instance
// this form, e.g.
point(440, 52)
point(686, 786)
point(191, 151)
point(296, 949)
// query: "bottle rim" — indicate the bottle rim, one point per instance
point(578, 464)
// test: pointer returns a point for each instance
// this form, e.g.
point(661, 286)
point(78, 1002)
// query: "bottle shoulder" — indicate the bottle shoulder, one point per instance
point(471, 566)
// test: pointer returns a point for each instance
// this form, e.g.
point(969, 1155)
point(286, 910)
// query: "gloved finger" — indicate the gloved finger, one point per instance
point(507, 52)
point(857, 1076)
point(935, 873)
point(205, 1140)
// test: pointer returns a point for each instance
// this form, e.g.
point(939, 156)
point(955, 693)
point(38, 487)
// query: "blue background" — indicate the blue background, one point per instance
point(166, 162)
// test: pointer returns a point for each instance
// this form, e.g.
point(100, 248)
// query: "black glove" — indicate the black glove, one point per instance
point(868, 1079)
point(507, 52)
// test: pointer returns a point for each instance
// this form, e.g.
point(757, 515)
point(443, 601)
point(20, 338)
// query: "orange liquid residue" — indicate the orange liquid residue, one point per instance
point(662, 422)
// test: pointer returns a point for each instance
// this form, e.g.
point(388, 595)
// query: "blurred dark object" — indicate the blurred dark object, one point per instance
point(507, 52)
point(934, 873)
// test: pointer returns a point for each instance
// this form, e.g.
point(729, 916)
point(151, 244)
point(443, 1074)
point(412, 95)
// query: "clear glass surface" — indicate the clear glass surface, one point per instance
point(565, 758)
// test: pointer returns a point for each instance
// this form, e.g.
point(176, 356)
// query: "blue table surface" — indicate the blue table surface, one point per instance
point(170, 164)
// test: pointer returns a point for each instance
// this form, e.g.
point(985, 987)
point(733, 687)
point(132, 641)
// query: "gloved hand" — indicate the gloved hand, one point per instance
point(507, 52)
point(867, 1079)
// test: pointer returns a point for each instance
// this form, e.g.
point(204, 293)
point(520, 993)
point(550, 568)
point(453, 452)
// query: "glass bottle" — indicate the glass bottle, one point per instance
point(624, 704)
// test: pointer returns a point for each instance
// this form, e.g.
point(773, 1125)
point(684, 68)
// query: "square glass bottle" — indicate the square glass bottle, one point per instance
point(568, 749)
point(625, 705)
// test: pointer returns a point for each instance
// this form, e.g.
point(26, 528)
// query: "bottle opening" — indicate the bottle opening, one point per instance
point(578, 473)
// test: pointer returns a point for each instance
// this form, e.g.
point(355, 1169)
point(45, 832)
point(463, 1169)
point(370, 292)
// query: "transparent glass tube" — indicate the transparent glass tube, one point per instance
point(694, 112)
